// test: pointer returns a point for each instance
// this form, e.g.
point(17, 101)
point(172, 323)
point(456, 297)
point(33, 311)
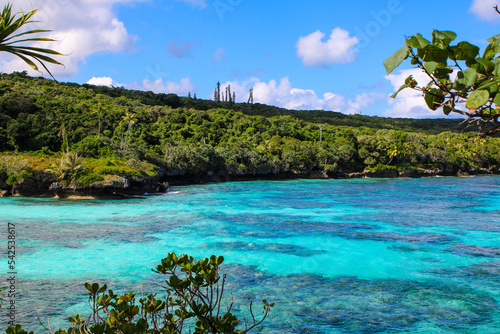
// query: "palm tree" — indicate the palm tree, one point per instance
point(129, 118)
point(9, 39)
point(98, 110)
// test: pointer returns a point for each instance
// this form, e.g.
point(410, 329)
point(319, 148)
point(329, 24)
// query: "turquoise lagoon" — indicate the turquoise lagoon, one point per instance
point(336, 256)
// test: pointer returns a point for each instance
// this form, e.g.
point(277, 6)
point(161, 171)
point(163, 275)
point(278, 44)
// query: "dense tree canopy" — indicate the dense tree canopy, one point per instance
point(43, 115)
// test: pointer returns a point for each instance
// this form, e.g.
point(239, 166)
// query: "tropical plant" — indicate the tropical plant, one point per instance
point(98, 110)
point(69, 169)
point(10, 39)
point(461, 80)
point(194, 299)
point(129, 118)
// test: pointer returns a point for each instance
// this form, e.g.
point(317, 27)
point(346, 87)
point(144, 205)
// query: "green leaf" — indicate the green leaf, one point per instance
point(489, 53)
point(435, 54)
point(494, 39)
point(446, 36)
point(489, 66)
point(496, 71)
point(431, 66)
point(496, 101)
point(404, 86)
point(477, 99)
point(396, 59)
point(468, 49)
point(102, 289)
point(470, 77)
point(417, 42)
point(495, 44)
point(447, 109)
point(434, 98)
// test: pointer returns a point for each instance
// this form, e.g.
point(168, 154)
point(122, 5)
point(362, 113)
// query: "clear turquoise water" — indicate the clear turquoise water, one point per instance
point(336, 256)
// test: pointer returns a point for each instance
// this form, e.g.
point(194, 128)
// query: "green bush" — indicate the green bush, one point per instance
point(13, 178)
point(118, 170)
point(92, 147)
point(88, 177)
point(194, 295)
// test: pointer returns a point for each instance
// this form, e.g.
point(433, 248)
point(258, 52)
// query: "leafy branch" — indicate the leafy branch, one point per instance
point(473, 92)
point(194, 298)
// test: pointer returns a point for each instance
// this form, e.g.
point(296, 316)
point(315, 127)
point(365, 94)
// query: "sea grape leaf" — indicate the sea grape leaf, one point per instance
point(404, 86)
point(468, 49)
point(496, 71)
point(447, 109)
point(477, 99)
point(436, 54)
point(496, 101)
point(488, 65)
point(417, 42)
point(434, 98)
point(495, 43)
point(446, 36)
point(470, 77)
point(431, 66)
point(489, 53)
point(396, 59)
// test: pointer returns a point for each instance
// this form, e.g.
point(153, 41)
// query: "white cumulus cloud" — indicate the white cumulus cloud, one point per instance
point(282, 94)
point(484, 9)
point(80, 28)
point(340, 48)
point(409, 103)
point(104, 81)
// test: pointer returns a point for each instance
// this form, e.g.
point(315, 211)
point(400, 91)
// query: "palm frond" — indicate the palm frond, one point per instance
point(9, 41)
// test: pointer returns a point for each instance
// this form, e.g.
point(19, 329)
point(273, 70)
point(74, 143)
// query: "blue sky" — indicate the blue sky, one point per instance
point(296, 54)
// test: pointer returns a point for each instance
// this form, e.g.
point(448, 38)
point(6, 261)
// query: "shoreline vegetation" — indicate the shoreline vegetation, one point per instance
point(81, 141)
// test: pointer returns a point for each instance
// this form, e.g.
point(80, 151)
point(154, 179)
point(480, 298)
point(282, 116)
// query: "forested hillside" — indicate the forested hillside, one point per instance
point(187, 139)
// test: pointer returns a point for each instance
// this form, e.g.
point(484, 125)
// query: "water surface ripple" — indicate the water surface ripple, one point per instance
point(336, 256)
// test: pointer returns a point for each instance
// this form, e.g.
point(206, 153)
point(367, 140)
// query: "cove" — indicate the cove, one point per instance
point(336, 256)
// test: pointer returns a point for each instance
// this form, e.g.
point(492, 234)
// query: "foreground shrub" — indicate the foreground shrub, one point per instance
point(193, 299)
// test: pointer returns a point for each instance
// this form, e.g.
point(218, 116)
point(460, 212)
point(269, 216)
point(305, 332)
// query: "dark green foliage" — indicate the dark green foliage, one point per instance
point(200, 138)
point(193, 298)
point(88, 177)
point(13, 178)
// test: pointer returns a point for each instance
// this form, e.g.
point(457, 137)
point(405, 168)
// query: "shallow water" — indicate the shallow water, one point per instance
point(336, 256)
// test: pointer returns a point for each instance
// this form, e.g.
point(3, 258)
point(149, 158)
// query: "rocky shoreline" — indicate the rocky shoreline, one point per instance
point(44, 184)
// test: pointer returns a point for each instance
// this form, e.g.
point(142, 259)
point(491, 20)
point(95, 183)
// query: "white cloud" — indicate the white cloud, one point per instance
point(340, 48)
point(80, 28)
point(484, 9)
point(157, 86)
point(360, 104)
point(409, 103)
point(104, 81)
point(283, 94)
point(196, 3)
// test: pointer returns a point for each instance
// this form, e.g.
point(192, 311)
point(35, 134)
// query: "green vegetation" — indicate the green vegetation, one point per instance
point(477, 79)
point(140, 134)
point(193, 298)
